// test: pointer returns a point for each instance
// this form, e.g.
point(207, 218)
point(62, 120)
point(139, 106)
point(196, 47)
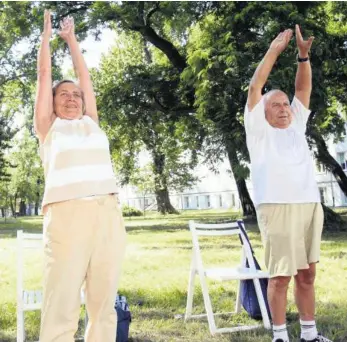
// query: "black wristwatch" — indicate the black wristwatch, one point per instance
point(300, 60)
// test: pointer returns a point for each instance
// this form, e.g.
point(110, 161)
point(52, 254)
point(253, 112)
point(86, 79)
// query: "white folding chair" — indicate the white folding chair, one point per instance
point(241, 272)
point(28, 300)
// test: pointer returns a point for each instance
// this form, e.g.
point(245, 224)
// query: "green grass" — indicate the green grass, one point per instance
point(155, 276)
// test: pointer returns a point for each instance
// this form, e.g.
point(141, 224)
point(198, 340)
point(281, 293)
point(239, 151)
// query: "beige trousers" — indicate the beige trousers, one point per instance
point(84, 240)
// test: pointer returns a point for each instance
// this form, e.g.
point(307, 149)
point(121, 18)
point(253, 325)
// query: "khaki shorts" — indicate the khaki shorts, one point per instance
point(291, 235)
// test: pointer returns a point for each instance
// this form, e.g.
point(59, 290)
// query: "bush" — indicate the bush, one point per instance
point(130, 211)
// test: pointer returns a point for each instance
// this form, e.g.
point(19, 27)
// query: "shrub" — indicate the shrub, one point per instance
point(130, 211)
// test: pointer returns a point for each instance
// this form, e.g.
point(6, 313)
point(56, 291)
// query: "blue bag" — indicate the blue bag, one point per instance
point(124, 319)
point(249, 298)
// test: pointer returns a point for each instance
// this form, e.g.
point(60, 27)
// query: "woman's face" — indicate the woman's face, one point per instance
point(68, 101)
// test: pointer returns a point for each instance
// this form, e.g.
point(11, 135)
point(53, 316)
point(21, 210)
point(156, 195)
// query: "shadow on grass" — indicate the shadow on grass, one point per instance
point(31, 224)
point(188, 246)
point(334, 236)
point(139, 339)
point(167, 223)
point(157, 228)
point(336, 254)
point(6, 338)
point(12, 233)
point(187, 214)
point(251, 225)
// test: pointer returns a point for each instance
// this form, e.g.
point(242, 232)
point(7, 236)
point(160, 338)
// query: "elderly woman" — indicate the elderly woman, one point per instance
point(83, 227)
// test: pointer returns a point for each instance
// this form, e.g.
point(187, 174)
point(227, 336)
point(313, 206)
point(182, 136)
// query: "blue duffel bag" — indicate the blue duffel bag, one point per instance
point(124, 319)
point(249, 299)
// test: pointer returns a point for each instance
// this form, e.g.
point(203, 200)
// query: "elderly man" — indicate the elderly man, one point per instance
point(286, 195)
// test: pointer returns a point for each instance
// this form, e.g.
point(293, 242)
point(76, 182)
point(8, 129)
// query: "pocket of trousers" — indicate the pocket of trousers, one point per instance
point(57, 221)
point(265, 214)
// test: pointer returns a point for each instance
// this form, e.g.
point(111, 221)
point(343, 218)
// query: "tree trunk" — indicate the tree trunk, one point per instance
point(333, 222)
point(163, 202)
point(37, 208)
point(161, 188)
point(246, 201)
point(37, 201)
point(13, 206)
point(38, 198)
point(2, 212)
point(324, 157)
point(22, 208)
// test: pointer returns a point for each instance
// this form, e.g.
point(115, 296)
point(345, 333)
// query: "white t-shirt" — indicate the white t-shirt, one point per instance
point(282, 168)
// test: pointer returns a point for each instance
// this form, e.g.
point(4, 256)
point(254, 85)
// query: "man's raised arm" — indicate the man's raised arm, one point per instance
point(265, 66)
point(303, 80)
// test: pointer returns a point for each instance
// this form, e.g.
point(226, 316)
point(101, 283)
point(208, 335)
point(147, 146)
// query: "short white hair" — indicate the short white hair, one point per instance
point(270, 93)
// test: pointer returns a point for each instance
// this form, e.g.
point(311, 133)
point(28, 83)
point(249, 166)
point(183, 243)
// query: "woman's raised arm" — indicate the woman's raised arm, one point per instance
point(44, 115)
point(68, 34)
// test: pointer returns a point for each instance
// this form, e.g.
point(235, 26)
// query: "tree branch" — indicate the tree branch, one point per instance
point(140, 12)
point(162, 44)
point(73, 10)
point(156, 8)
point(12, 78)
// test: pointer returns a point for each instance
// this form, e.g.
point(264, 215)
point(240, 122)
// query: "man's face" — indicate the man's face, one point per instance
point(68, 103)
point(278, 111)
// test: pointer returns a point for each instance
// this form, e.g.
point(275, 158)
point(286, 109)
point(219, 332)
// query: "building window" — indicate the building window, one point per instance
point(319, 167)
point(344, 197)
point(146, 202)
point(208, 201)
point(186, 202)
point(344, 133)
point(197, 201)
point(220, 201)
point(322, 194)
point(233, 200)
point(341, 160)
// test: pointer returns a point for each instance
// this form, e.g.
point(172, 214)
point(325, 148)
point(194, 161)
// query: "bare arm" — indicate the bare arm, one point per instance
point(43, 114)
point(303, 80)
point(265, 66)
point(81, 70)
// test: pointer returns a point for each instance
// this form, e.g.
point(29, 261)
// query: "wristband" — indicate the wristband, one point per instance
point(300, 60)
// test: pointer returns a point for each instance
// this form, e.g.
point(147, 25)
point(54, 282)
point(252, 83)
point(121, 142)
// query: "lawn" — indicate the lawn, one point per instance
point(155, 277)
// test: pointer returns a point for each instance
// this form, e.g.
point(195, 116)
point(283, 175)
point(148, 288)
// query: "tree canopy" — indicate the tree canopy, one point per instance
point(142, 106)
point(176, 83)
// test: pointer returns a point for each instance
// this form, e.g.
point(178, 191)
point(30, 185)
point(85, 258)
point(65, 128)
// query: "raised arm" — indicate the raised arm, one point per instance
point(43, 115)
point(265, 66)
point(68, 34)
point(303, 80)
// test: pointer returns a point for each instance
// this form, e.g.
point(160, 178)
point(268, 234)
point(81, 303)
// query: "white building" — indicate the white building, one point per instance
point(213, 191)
point(217, 191)
point(330, 191)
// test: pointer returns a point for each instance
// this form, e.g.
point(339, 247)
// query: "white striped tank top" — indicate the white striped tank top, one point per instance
point(77, 161)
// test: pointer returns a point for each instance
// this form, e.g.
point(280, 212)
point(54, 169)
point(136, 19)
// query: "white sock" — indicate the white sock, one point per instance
point(308, 330)
point(280, 331)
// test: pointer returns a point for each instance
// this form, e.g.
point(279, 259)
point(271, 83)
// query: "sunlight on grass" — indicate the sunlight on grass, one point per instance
point(155, 277)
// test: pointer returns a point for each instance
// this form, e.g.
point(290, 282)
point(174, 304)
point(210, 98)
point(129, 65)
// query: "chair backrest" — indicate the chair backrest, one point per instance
point(25, 241)
point(221, 229)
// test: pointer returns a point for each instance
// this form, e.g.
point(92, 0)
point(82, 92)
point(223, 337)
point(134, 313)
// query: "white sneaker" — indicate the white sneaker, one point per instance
point(319, 338)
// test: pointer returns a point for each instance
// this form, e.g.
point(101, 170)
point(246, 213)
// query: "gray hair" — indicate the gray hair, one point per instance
point(271, 92)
